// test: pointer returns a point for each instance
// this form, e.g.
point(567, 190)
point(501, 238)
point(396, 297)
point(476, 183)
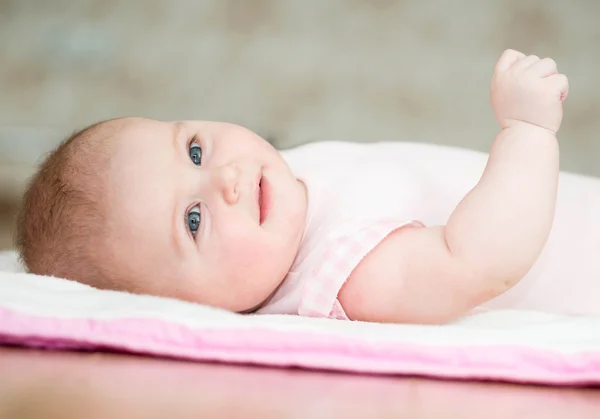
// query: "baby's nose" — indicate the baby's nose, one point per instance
point(227, 179)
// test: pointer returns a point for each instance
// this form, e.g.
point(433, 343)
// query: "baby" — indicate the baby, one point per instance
point(391, 232)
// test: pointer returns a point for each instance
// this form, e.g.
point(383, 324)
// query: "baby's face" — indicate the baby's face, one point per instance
point(202, 211)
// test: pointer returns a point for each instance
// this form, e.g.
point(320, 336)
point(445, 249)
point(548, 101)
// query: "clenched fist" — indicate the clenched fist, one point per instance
point(528, 89)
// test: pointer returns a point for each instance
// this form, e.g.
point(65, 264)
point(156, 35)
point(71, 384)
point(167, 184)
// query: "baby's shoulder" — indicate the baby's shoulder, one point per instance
point(322, 150)
point(383, 155)
point(327, 152)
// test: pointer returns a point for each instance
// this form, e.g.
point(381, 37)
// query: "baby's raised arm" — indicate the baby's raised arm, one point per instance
point(496, 233)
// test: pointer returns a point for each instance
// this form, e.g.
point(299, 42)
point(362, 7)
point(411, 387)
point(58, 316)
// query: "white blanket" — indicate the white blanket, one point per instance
point(517, 346)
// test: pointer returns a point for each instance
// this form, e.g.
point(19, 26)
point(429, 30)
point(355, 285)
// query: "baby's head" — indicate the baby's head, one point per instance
point(200, 211)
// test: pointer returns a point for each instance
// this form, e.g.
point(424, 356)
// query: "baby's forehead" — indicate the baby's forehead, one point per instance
point(141, 130)
point(141, 159)
point(118, 128)
point(140, 190)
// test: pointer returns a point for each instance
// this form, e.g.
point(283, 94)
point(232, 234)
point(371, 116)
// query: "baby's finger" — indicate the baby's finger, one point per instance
point(527, 62)
point(562, 83)
point(544, 68)
point(507, 59)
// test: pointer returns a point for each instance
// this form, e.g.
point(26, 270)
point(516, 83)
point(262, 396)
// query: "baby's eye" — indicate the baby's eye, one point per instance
point(193, 220)
point(196, 153)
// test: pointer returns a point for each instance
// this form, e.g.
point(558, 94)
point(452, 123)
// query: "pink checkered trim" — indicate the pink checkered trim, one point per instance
point(343, 254)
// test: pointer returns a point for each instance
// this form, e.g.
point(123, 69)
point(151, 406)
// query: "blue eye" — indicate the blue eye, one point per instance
point(196, 154)
point(193, 220)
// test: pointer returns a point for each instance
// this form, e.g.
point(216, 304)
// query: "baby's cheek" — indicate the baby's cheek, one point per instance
point(247, 250)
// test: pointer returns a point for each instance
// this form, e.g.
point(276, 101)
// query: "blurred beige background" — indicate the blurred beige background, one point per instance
point(294, 71)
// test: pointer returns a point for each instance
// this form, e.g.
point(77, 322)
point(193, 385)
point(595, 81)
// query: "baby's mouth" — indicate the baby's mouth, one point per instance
point(260, 201)
point(264, 199)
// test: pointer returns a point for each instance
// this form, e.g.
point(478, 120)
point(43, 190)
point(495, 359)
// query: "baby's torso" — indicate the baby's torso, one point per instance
point(359, 193)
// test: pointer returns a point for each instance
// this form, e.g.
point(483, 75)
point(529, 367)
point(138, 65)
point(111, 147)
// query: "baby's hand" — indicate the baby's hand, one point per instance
point(527, 89)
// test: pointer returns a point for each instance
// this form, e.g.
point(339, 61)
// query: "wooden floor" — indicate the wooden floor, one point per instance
point(37, 384)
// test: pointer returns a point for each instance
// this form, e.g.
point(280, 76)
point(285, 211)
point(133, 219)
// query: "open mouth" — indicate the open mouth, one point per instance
point(260, 199)
point(263, 199)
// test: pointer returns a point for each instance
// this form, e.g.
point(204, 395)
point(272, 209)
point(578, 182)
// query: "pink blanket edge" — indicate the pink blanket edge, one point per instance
point(308, 350)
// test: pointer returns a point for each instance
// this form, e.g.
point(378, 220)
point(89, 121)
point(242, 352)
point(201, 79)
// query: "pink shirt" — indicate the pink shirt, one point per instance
point(359, 193)
point(354, 202)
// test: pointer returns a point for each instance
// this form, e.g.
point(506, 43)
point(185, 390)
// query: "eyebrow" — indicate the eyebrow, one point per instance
point(176, 236)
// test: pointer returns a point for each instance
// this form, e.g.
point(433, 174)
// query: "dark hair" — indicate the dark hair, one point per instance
point(60, 221)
